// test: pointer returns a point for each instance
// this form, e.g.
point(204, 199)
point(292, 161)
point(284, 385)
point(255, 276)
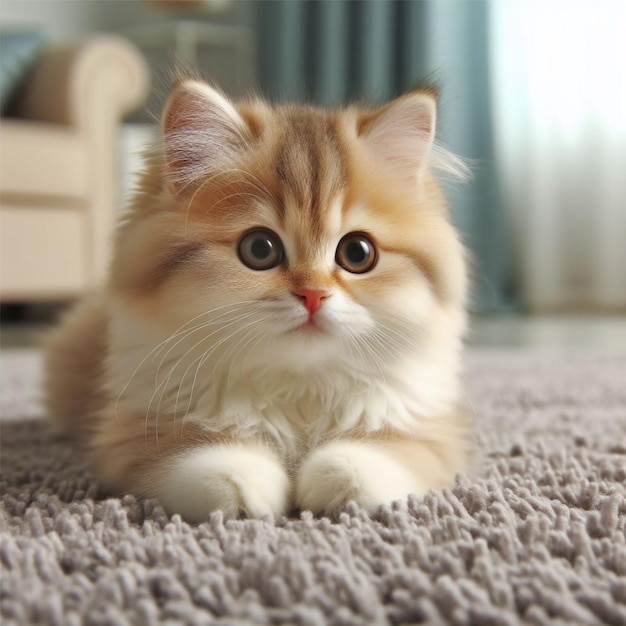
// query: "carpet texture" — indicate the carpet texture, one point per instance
point(536, 537)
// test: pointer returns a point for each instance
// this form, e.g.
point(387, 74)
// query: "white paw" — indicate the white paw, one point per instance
point(237, 480)
point(344, 471)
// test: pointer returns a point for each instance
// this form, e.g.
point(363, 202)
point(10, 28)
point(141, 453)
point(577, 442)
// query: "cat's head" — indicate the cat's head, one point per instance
point(296, 232)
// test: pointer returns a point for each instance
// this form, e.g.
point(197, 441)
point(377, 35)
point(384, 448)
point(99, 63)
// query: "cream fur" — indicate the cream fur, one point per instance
point(342, 472)
point(237, 480)
point(197, 380)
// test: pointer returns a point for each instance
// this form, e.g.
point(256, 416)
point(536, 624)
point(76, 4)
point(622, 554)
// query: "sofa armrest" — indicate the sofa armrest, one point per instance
point(71, 80)
point(88, 86)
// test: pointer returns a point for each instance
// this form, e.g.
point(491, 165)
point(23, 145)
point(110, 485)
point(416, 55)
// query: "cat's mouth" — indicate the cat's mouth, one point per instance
point(310, 326)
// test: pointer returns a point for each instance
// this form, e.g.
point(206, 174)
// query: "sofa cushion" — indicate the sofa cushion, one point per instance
point(38, 159)
point(43, 252)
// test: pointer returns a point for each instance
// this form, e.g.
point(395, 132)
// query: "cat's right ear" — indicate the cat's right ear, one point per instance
point(202, 131)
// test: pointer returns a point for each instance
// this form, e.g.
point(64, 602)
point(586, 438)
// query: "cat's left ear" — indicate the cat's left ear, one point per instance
point(402, 133)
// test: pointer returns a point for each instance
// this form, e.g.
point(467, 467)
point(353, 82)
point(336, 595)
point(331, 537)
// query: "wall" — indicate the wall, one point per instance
point(223, 52)
point(62, 19)
point(58, 19)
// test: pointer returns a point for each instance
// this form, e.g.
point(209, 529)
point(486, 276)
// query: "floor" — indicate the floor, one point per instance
point(550, 332)
point(575, 332)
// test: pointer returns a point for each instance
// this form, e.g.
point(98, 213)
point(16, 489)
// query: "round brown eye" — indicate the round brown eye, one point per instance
point(356, 253)
point(260, 249)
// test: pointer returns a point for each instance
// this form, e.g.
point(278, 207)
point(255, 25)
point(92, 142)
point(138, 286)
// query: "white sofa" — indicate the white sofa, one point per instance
point(58, 168)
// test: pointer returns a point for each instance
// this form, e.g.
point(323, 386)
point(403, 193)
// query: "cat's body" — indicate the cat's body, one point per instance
point(282, 324)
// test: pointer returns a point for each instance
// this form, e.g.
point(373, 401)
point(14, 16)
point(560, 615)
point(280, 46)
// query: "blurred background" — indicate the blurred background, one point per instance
point(533, 95)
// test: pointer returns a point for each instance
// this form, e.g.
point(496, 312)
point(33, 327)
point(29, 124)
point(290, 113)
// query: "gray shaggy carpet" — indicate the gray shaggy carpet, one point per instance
point(537, 537)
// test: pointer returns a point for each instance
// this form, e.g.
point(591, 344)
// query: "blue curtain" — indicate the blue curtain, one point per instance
point(331, 52)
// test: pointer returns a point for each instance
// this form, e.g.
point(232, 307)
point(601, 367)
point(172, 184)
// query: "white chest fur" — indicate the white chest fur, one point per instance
point(295, 408)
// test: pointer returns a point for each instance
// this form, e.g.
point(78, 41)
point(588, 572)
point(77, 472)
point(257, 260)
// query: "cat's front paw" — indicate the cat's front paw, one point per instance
point(340, 472)
point(240, 481)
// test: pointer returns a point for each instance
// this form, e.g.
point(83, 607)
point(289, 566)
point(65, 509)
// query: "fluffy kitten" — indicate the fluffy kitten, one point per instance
point(283, 318)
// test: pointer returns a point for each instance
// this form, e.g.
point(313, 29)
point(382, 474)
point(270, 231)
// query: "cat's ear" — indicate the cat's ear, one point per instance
point(202, 130)
point(402, 133)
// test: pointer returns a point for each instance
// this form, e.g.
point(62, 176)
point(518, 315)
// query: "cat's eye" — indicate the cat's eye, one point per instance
point(260, 249)
point(356, 253)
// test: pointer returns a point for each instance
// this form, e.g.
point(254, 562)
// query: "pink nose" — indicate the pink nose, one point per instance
point(312, 299)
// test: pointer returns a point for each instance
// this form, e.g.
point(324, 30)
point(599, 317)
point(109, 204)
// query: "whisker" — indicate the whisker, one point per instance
point(380, 342)
point(199, 327)
point(358, 344)
point(233, 195)
point(387, 338)
point(158, 348)
point(226, 339)
point(404, 340)
point(256, 183)
point(163, 387)
point(195, 193)
point(201, 359)
point(165, 382)
point(242, 341)
point(205, 313)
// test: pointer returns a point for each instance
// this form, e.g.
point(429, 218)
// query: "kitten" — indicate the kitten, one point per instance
point(282, 323)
